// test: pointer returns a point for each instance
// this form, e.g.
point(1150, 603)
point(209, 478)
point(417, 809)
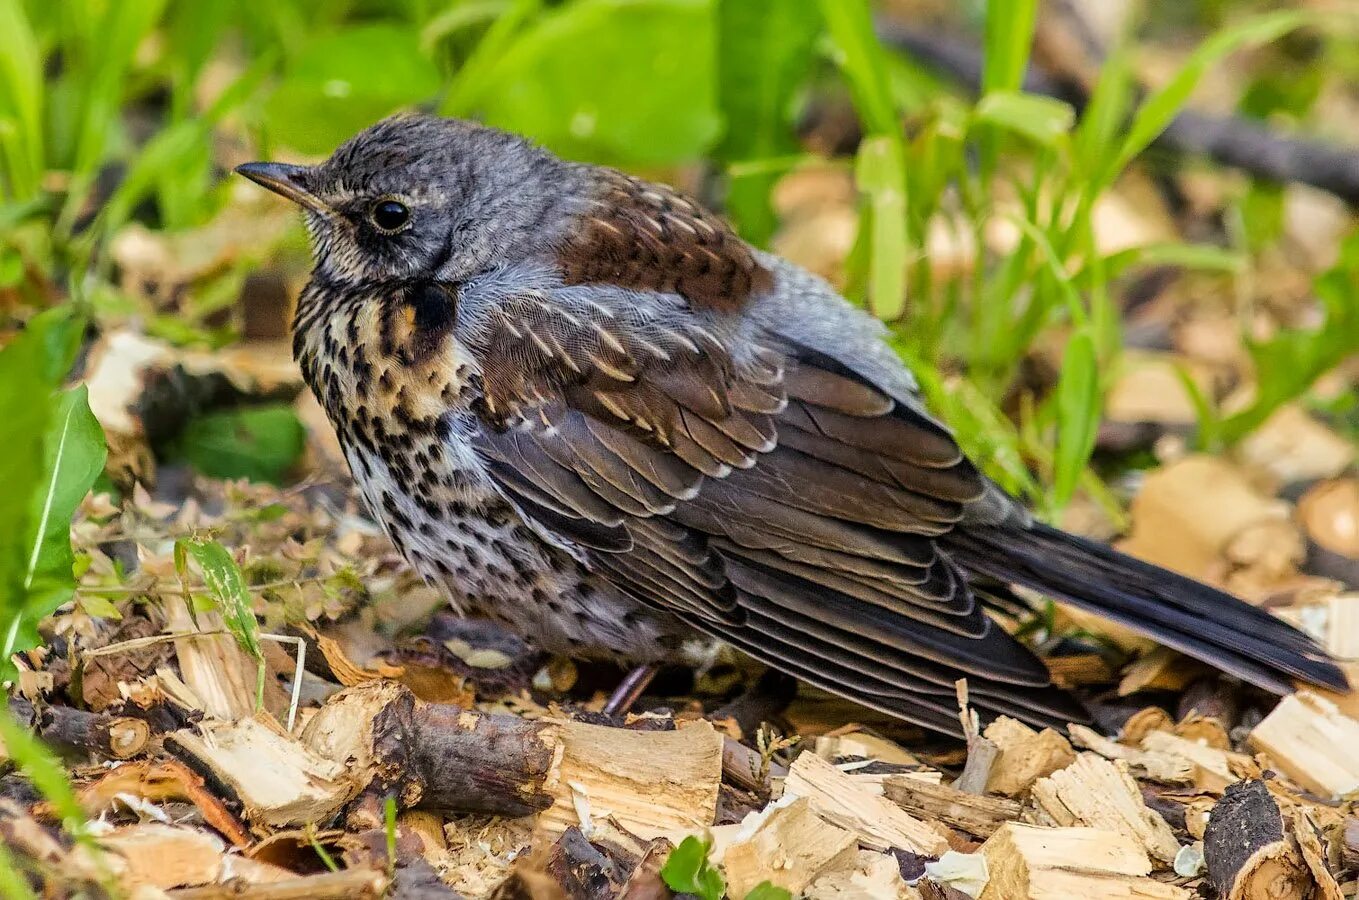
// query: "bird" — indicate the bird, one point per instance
point(580, 404)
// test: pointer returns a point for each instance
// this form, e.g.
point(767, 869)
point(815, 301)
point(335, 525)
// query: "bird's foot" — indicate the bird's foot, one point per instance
point(629, 689)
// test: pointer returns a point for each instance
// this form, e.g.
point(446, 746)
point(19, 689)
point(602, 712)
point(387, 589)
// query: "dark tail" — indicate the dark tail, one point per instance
point(1184, 614)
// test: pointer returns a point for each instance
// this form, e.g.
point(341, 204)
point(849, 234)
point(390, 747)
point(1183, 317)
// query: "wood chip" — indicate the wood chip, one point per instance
point(279, 781)
point(1031, 863)
point(164, 856)
point(879, 823)
point(875, 876)
point(788, 845)
point(1312, 742)
point(1097, 793)
point(651, 782)
point(974, 813)
point(1025, 755)
point(1160, 767)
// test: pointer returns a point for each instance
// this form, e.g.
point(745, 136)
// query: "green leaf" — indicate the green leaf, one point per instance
point(74, 452)
point(42, 768)
point(860, 56)
point(1078, 413)
point(622, 81)
point(1043, 120)
point(260, 443)
point(764, 53)
point(767, 891)
point(1009, 31)
point(688, 870)
point(13, 881)
point(1159, 109)
point(41, 471)
point(880, 173)
point(343, 82)
point(227, 586)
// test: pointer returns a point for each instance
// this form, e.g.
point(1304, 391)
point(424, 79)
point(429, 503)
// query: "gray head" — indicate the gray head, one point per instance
point(420, 197)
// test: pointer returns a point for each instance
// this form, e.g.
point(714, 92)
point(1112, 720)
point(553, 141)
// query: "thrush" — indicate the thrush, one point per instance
point(583, 406)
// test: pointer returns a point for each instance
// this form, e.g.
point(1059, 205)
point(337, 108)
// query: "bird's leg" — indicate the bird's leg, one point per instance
point(629, 689)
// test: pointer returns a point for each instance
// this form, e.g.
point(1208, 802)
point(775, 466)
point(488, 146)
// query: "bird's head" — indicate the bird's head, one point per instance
point(419, 198)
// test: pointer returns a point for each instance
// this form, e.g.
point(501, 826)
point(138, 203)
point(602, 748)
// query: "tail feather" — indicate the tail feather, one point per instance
point(1184, 614)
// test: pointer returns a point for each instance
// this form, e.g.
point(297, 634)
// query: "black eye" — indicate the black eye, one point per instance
point(390, 215)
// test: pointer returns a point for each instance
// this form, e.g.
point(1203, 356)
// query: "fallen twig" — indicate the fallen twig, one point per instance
point(1231, 141)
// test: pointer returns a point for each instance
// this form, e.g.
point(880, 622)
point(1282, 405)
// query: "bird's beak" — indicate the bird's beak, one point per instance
point(285, 180)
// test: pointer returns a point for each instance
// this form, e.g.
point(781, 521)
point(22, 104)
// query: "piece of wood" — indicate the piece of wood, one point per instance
point(1329, 512)
point(220, 675)
point(651, 782)
point(1160, 670)
point(439, 757)
point(156, 782)
point(163, 856)
point(1312, 742)
point(874, 876)
point(864, 745)
point(1032, 863)
point(279, 781)
point(1079, 670)
point(1025, 755)
point(976, 814)
point(1097, 793)
point(1313, 851)
point(788, 845)
point(879, 823)
point(348, 884)
point(1212, 767)
point(1160, 767)
point(115, 737)
point(1249, 850)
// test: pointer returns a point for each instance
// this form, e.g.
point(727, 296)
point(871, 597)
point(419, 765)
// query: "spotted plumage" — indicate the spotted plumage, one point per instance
point(582, 405)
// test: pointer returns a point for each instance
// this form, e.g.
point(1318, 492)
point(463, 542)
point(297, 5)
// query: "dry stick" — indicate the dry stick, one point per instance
point(328, 886)
point(116, 737)
point(1236, 142)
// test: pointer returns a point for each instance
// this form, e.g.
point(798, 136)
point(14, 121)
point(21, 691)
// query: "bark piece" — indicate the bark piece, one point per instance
point(163, 856)
point(788, 845)
point(650, 782)
point(1249, 850)
point(1097, 793)
point(879, 823)
point(1025, 755)
point(116, 737)
point(976, 814)
point(157, 782)
point(1031, 863)
point(438, 757)
point(1309, 739)
point(279, 781)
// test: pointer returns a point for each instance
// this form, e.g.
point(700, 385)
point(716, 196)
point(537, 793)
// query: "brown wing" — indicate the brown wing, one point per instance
point(647, 236)
point(777, 501)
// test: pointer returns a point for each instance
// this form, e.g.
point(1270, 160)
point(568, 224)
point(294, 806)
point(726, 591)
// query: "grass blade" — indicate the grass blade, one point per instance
point(880, 173)
point(1159, 109)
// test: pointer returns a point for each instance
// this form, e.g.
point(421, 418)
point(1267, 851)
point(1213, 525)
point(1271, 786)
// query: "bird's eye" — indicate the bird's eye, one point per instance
point(390, 215)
